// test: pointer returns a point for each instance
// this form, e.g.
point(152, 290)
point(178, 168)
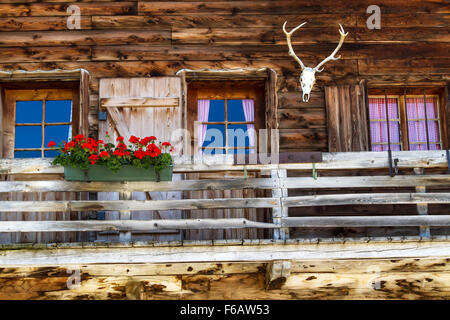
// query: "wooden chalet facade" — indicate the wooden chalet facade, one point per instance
point(339, 218)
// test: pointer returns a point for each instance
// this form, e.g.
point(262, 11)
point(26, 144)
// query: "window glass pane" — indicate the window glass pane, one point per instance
point(238, 136)
point(379, 128)
point(28, 111)
point(28, 137)
point(235, 111)
point(215, 136)
point(57, 134)
point(417, 126)
point(50, 153)
point(213, 151)
point(58, 111)
point(216, 110)
point(27, 154)
point(240, 151)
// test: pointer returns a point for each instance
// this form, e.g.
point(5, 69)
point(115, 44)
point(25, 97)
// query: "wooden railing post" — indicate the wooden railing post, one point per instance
point(279, 212)
point(125, 215)
point(422, 208)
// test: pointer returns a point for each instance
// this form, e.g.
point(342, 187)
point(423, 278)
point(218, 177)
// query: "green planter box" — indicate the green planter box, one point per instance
point(126, 173)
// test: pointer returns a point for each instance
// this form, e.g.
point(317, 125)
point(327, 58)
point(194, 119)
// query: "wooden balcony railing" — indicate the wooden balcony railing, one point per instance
point(279, 201)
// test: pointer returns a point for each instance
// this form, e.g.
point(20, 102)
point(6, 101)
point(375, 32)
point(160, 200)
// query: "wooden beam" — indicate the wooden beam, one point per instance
point(125, 226)
point(276, 274)
point(279, 212)
point(228, 184)
point(222, 252)
point(139, 102)
point(126, 205)
point(331, 161)
point(377, 221)
point(422, 208)
point(119, 122)
point(366, 198)
point(125, 236)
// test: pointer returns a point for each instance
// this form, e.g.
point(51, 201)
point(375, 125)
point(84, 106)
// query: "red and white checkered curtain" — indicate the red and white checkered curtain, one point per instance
point(379, 129)
point(417, 125)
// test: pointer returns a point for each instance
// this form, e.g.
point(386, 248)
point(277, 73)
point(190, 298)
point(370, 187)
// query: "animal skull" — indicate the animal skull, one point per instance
point(308, 76)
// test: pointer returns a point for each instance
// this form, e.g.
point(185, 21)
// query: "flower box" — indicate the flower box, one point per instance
point(87, 159)
point(125, 173)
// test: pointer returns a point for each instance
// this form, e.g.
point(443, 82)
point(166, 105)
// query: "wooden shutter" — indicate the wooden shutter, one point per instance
point(347, 118)
point(142, 107)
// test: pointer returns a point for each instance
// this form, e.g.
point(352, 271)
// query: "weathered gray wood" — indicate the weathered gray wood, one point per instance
point(207, 251)
point(331, 161)
point(378, 221)
point(228, 184)
point(145, 186)
point(281, 211)
point(422, 208)
point(366, 198)
point(126, 226)
point(139, 102)
point(126, 205)
point(125, 215)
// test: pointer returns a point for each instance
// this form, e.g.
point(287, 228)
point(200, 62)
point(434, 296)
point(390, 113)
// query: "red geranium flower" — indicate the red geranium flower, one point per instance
point(93, 158)
point(104, 154)
point(153, 150)
point(134, 139)
point(119, 138)
point(51, 144)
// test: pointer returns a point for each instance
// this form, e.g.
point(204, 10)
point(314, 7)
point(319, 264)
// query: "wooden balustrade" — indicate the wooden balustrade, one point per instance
point(279, 201)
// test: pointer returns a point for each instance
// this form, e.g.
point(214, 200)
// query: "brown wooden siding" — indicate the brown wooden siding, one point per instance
point(149, 38)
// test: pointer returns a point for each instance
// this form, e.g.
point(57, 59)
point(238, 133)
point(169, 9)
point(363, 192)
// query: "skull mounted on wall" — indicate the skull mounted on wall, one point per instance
point(308, 76)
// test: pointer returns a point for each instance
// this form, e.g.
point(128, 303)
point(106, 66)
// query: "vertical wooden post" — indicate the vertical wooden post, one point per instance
point(279, 212)
point(125, 215)
point(422, 208)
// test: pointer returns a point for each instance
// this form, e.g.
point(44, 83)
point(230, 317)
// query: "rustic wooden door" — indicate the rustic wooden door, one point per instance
point(155, 118)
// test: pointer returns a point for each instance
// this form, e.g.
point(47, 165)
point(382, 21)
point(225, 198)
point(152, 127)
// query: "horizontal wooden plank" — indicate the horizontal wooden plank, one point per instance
point(140, 102)
point(217, 20)
point(88, 37)
point(285, 7)
point(416, 65)
point(143, 186)
point(132, 205)
point(271, 36)
point(129, 225)
point(245, 36)
point(304, 118)
point(207, 251)
point(37, 54)
point(197, 224)
point(40, 23)
point(366, 199)
point(60, 9)
point(229, 184)
point(355, 222)
point(304, 139)
point(330, 161)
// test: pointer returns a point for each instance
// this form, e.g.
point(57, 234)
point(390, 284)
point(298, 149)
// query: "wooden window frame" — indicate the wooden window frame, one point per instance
point(225, 90)
point(400, 94)
point(38, 92)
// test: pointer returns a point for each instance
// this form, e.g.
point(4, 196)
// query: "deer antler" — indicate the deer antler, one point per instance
point(331, 56)
point(291, 50)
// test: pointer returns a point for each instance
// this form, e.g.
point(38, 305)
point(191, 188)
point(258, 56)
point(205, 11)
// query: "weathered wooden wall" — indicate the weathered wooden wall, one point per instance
point(149, 38)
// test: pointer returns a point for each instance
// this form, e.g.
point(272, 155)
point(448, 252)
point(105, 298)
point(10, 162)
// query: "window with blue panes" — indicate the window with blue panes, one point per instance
point(227, 128)
point(37, 122)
